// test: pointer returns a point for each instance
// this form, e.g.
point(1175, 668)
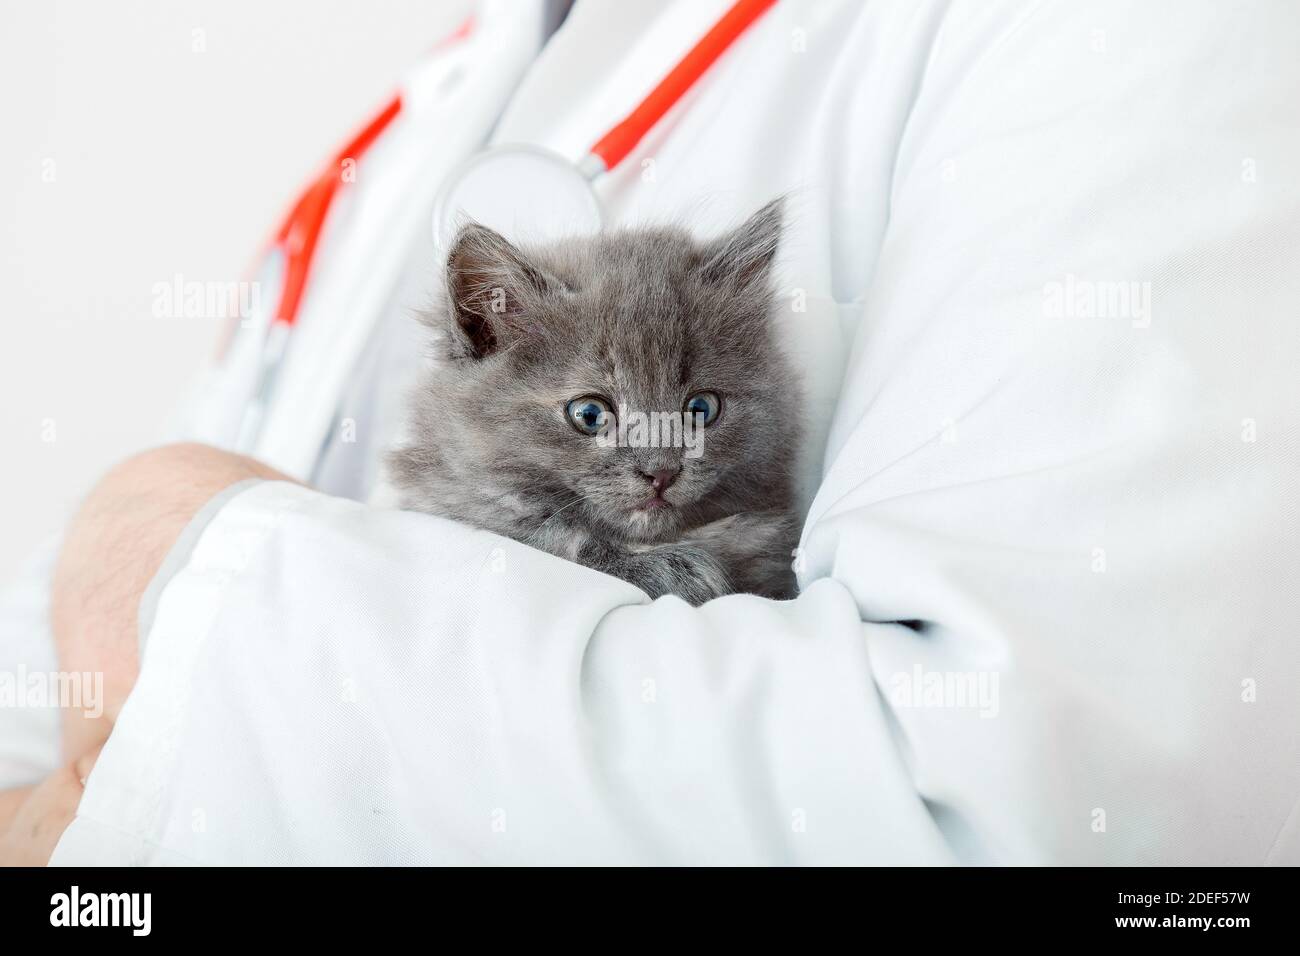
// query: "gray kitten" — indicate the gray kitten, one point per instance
point(531, 423)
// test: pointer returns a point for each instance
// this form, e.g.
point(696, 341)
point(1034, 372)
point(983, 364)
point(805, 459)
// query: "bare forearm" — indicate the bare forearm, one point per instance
point(113, 548)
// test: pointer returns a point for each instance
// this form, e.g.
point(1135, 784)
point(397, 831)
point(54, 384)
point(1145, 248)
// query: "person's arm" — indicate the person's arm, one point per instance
point(113, 549)
point(414, 689)
point(33, 818)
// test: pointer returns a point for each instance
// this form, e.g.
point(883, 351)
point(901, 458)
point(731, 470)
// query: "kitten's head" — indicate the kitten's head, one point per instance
point(566, 365)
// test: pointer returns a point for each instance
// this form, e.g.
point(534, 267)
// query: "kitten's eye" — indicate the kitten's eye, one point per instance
point(589, 414)
point(705, 406)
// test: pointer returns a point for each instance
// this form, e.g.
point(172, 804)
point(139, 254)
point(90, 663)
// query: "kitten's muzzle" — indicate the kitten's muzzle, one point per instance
point(661, 479)
point(659, 483)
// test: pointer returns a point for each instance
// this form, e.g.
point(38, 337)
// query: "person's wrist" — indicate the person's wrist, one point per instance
point(113, 548)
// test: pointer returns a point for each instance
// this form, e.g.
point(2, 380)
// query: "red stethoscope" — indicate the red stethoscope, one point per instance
point(521, 190)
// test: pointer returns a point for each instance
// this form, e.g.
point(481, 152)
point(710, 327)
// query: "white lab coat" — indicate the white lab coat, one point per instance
point(1041, 274)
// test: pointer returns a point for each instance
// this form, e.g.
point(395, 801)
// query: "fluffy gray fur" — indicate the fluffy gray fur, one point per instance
point(644, 318)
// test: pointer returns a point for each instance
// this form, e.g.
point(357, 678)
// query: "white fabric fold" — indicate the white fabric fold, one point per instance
point(536, 710)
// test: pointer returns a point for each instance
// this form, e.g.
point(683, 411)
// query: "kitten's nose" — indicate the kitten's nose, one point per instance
point(661, 479)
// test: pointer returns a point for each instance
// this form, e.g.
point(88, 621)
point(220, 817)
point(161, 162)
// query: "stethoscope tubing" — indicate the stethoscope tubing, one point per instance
point(297, 239)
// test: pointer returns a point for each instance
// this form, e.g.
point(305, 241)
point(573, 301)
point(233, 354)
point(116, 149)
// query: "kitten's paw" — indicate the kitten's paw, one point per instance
point(689, 571)
point(756, 548)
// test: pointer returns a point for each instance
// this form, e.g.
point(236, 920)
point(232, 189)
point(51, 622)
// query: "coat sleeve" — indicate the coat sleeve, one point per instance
point(329, 683)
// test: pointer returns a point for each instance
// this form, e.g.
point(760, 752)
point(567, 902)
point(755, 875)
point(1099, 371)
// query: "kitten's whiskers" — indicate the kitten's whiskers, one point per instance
point(542, 527)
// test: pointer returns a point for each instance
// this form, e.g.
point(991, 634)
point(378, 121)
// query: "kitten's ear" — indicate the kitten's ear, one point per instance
point(743, 257)
point(491, 288)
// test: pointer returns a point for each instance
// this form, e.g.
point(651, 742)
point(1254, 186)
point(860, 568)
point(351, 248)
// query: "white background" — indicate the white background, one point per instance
point(165, 160)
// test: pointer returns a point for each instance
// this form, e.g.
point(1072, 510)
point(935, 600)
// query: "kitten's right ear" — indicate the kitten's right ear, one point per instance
point(743, 258)
point(491, 289)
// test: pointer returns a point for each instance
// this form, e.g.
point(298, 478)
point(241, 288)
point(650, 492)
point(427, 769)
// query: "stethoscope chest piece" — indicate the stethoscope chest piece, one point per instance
point(528, 194)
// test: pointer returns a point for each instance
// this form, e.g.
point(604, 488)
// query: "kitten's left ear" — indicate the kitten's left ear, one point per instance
point(744, 256)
